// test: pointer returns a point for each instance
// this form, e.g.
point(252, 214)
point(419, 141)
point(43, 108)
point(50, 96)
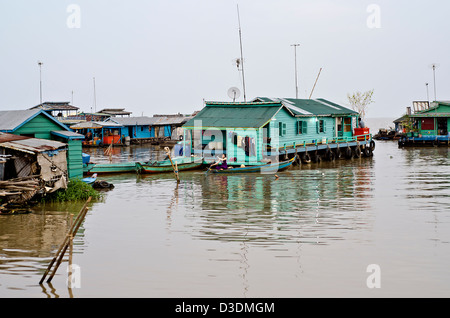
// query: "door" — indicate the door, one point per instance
point(442, 126)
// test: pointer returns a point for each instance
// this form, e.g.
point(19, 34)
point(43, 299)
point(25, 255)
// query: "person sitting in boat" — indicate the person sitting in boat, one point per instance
point(221, 163)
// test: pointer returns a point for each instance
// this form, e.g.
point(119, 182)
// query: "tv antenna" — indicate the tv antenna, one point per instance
point(241, 61)
point(234, 93)
point(434, 66)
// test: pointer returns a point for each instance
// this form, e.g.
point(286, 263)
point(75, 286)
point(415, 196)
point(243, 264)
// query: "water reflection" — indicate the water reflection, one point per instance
point(395, 201)
point(28, 241)
point(322, 202)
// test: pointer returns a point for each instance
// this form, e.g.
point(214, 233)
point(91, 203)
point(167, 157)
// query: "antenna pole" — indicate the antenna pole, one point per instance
point(40, 81)
point(295, 59)
point(434, 80)
point(242, 59)
point(315, 83)
point(95, 99)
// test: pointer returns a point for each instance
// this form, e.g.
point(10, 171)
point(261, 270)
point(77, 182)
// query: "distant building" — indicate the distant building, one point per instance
point(115, 112)
point(62, 111)
point(426, 124)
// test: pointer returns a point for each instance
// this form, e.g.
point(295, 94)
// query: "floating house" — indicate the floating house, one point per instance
point(125, 130)
point(63, 111)
point(265, 129)
point(37, 123)
point(427, 124)
point(169, 127)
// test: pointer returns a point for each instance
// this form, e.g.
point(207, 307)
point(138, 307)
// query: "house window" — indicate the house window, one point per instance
point(321, 126)
point(347, 124)
point(301, 127)
point(282, 129)
point(427, 123)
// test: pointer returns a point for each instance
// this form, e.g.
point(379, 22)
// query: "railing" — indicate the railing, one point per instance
point(316, 142)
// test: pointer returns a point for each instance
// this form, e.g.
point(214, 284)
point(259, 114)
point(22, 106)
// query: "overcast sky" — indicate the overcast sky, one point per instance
point(161, 57)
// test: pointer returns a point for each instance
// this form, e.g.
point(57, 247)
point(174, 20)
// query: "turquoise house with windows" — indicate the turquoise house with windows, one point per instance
point(267, 128)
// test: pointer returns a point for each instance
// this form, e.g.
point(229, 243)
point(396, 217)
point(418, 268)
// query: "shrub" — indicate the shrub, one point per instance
point(76, 190)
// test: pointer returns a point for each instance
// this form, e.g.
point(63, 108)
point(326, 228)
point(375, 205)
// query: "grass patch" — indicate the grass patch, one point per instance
point(77, 190)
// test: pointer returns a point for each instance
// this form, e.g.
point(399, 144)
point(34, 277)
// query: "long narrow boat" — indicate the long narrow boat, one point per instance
point(183, 163)
point(119, 167)
point(266, 168)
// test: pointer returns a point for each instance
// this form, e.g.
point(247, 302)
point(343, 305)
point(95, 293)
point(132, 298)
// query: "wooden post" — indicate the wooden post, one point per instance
point(175, 169)
point(70, 253)
point(62, 249)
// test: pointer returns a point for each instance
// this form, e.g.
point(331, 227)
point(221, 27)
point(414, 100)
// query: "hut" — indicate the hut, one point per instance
point(37, 123)
point(29, 166)
point(428, 125)
point(273, 128)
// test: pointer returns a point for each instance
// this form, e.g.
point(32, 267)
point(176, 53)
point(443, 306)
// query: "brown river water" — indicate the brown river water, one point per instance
point(317, 231)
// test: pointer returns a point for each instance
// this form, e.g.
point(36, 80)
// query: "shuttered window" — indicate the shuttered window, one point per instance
point(301, 127)
point(321, 126)
point(282, 129)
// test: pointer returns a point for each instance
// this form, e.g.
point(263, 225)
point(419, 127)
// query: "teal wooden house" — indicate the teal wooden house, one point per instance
point(429, 125)
point(265, 128)
point(37, 123)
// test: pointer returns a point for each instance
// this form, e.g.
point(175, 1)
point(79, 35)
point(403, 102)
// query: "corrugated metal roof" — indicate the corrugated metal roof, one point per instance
point(310, 107)
point(236, 115)
point(171, 120)
point(86, 125)
point(68, 134)
point(29, 145)
point(114, 111)
point(132, 121)
point(10, 119)
point(55, 106)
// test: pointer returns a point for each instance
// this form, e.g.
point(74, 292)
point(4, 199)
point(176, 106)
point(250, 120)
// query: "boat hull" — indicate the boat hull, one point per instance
point(165, 166)
point(266, 169)
point(122, 167)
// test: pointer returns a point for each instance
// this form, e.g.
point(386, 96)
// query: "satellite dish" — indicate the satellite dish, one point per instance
point(234, 93)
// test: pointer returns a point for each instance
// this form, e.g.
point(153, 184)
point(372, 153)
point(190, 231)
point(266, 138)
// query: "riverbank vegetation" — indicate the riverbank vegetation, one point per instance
point(77, 190)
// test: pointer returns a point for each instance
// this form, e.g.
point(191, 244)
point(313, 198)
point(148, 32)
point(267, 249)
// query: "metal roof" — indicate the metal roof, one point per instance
point(114, 111)
point(28, 144)
point(170, 119)
point(236, 115)
point(86, 125)
point(11, 120)
point(132, 121)
point(55, 106)
point(68, 134)
point(310, 107)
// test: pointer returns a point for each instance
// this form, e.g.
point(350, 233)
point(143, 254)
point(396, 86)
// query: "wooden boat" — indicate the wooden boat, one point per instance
point(183, 163)
point(90, 180)
point(265, 168)
point(119, 167)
